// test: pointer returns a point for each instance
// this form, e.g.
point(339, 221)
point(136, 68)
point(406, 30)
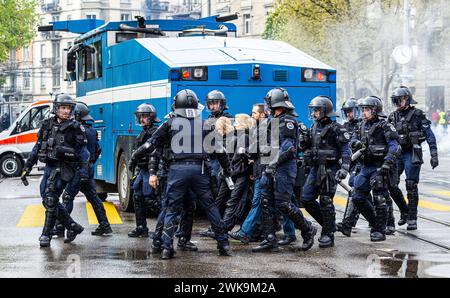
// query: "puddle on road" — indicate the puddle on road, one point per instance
point(408, 265)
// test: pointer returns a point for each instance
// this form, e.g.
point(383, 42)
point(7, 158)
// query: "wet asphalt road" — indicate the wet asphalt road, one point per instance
point(413, 254)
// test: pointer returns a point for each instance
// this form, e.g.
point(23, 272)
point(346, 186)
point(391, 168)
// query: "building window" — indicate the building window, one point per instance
point(43, 80)
point(56, 78)
point(247, 24)
point(42, 50)
point(26, 80)
point(56, 52)
point(26, 53)
point(92, 16)
point(125, 17)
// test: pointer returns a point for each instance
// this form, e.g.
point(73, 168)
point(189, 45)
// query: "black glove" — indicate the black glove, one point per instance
point(385, 168)
point(25, 172)
point(341, 174)
point(132, 164)
point(355, 146)
point(434, 161)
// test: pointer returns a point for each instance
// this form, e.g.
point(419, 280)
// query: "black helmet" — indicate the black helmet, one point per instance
point(373, 102)
point(63, 99)
point(350, 104)
point(216, 96)
point(324, 102)
point(399, 93)
point(145, 109)
point(186, 104)
point(82, 112)
point(278, 98)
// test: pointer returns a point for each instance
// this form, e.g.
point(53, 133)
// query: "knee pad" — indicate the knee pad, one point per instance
point(284, 207)
point(325, 201)
point(66, 198)
point(379, 200)
point(50, 202)
point(411, 186)
point(265, 202)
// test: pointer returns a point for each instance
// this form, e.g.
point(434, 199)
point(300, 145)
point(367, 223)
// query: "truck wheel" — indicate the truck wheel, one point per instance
point(123, 186)
point(10, 165)
point(103, 196)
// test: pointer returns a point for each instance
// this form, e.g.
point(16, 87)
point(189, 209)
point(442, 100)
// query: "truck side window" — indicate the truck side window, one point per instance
point(90, 62)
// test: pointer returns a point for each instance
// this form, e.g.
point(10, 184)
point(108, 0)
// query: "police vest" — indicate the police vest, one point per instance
point(408, 126)
point(351, 125)
point(186, 137)
point(145, 134)
point(324, 144)
point(59, 141)
point(373, 137)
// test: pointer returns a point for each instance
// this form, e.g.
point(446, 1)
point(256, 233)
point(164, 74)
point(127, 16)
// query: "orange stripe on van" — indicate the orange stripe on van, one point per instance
point(22, 139)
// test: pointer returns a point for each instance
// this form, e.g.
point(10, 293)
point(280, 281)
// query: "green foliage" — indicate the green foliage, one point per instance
point(17, 24)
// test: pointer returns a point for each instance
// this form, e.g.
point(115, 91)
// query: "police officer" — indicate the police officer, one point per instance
point(87, 187)
point(216, 104)
point(278, 179)
point(413, 128)
point(375, 141)
point(61, 145)
point(144, 194)
point(325, 147)
point(187, 170)
point(351, 214)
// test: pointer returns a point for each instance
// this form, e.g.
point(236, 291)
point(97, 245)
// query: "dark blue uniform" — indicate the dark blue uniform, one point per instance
point(382, 148)
point(326, 145)
point(277, 190)
point(413, 128)
point(62, 147)
point(87, 187)
point(187, 172)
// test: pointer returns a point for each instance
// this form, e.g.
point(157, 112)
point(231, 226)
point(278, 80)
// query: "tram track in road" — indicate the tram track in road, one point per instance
point(417, 237)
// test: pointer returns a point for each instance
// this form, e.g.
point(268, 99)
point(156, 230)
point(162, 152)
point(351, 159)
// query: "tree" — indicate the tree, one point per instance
point(17, 25)
point(354, 36)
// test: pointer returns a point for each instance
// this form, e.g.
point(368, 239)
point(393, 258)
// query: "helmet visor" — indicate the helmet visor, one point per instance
point(143, 119)
point(315, 113)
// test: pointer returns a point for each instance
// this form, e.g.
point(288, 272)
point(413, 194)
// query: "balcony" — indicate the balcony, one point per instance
point(51, 7)
point(52, 35)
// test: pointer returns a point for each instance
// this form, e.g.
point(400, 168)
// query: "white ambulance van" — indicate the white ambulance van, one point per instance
point(18, 140)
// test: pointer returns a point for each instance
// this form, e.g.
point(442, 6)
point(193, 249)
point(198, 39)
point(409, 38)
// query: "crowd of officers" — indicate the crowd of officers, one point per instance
point(257, 184)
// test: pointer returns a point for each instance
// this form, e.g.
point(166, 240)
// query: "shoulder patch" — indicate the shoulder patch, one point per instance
point(82, 128)
point(346, 135)
point(303, 127)
point(290, 125)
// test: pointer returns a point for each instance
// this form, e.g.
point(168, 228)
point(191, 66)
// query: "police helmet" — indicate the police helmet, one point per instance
point(399, 93)
point(373, 102)
point(186, 104)
point(323, 103)
point(82, 112)
point(350, 104)
point(216, 96)
point(148, 110)
point(63, 99)
point(278, 98)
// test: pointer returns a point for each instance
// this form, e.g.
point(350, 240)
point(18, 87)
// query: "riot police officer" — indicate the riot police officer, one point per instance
point(216, 104)
point(375, 142)
point(413, 129)
point(186, 133)
point(351, 214)
point(144, 194)
point(87, 186)
point(278, 179)
point(61, 145)
point(325, 147)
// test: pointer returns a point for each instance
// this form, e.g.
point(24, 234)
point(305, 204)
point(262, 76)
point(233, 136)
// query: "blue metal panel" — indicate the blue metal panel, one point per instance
point(77, 26)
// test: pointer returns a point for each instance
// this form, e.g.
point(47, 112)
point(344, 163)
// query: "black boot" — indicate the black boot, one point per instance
point(238, 236)
point(268, 244)
point(308, 238)
point(102, 230)
point(224, 250)
point(44, 241)
point(412, 224)
point(345, 229)
point(75, 229)
point(156, 246)
point(403, 219)
point(413, 202)
point(376, 236)
point(167, 254)
point(326, 240)
point(329, 218)
point(58, 231)
point(390, 225)
point(288, 239)
point(186, 245)
point(208, 233)
point(140, 231)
